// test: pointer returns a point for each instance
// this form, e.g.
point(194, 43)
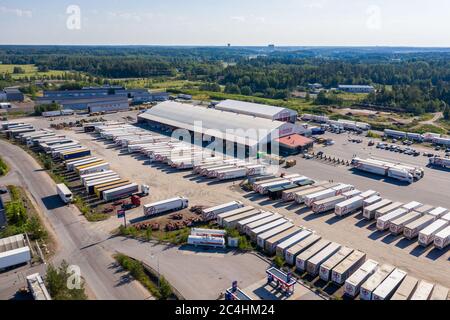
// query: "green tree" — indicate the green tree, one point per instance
point(232, 88)
point(58, 282)
point(447, 112)
point(246, 90)
point(164, 288)
point(18, 70)
point(16, 213)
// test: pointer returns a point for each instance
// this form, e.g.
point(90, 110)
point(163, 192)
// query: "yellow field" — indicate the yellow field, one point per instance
point(30, 71)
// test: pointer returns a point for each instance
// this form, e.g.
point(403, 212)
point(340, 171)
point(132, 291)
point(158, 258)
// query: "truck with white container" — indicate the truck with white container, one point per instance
point(387, 288)
point(439, 162)
point(406, 288)
point(369, 211)
point(172, 204)
point(389, 208)
point(214, 242)
point(423, 290)
point(290, 242)
point(302, 258)
point(397, 225)
point(64, 193)
point(427, 235)
point(343, 270)
point(270, 244)
point(369, 286)
point(412, 229)
point(328, 265)
point(120, 192)
point(294, 251)
point(262, 237)
point(442, 238)
point(353, 283)
point(211, 213)
point(313, 263)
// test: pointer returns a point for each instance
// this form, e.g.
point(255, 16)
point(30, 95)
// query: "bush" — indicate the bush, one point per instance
point(279, 262)
point(57, 280)
point(371, 134)
point(40, 108)
point(3, 167)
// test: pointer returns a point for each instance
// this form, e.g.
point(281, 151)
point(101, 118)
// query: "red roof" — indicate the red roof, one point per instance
point(295, 140)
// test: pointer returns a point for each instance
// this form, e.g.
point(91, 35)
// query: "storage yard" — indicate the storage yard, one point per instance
point(327, 201)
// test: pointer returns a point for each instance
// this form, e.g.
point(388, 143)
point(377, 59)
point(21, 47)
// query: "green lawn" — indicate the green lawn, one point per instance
point(30, 70)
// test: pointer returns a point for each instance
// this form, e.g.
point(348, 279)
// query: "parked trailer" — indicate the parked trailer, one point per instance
point(80, 169)
point(439, 162)
point(368, 287)
point(331, 192)
point(387, 288)
point(254, 233)
point(171, 204)
point(92, 184)
point(438, 212)
point(261, 222)
point(371, 200)
point(389, 208)
point(98, 190)
point(120, 192)
point(369, 211)
point(290, 242)
point(427, 235)
point(299, 196)
point(343, 270)
point(70, 166)
point(208, 232)
point(262, 237)
point(446, 217)
point(384, 222)
point(327, 204)
point(439, 293)
point(101, 175)
point(397, 226)
point(289, 195)
point(383, 169)
point(231, 222)
point(264, 188)
point(302, 258)
point(83, 152)
point(424, 209)
point(410, 206)
point(206, 241)
point(64, 193)
point(327, 266)
point(234, 212)
point(423, 291)
point(313, 263)
point(294, 251)
point(412, 229)
point(257, 169)
point(353, 283)
point(14, 257)
point(442, 238)
point(212, 212)
point(242, 223)
point(406, 288)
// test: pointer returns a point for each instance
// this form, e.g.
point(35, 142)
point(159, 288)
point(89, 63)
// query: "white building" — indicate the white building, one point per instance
point(258, 110)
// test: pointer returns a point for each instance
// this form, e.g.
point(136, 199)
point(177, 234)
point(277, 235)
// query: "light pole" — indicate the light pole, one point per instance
point(152, 255)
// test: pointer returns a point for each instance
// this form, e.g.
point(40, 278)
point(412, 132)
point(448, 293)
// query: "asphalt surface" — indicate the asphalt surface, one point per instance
point(78, 242)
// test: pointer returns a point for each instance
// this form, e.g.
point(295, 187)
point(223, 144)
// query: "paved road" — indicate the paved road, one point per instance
point(78, 242)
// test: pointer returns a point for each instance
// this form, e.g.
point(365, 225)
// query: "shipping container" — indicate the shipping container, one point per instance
point(389, 208)
point(327, 204)
point(261, 237)
point(120, 192)
point(369, 211)
point(98, 190)
point(302, 258)
point(442, 238)
point(438, 212)
point(242, 223)
point(289, 195)
point(313, 263)
point(406, 288)
point(108, 174)
point(331, 192)
point(83, 152)
point(167, 205)
point(369, 286)
point(423, 290)
point(396, 226)
point(412, 229)
point(371, 200)
point(290, 242)
point(327, 266)
point(212, 212)
point(439, 293)
point(232, 221)
point(14, 257)
point(412, 205)
point(384, 222)
point(92, 183)
point(343, 270)
point(295, 250)
point(231, 213)
point(261, 222)
point(387, 288)
point(426, 236)
point(354, 282)
point(270, 244)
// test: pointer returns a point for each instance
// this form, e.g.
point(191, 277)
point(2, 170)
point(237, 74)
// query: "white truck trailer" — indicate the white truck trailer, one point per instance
point(384, 222)
point(353, 204)
point(354, 282)
point(14, 257)
point(232, 221)
point(439, 293)
point(231, 174)
point(242, 223)
point(120, 192)
point(214, 242)
point(369, 211)
point(270, 244)
point(406, 288)
point(64, 193)
point(439, 162)
point(254, 233)
point(331, 192)
point(327, 204)
point(438, 212)
point(288, 243)
point(387, 288)
point(369, 286)
point(94, 168)
point(255, 224)
point(300, 260)
point(427, 235)
point(343, 270)
point(212, 212)
point(221, 217)
point(261, 238)
point(167, 205)
point(294, 251)
point(442, 238)
point(389, 208)
point(328, 265)
point(70, 165)
point(313, 263)
point(351, 193)
point(397, 225)
point(412, 229)
point(299, 197)
point(423, 290)
point(371, 200)
point(289, 195)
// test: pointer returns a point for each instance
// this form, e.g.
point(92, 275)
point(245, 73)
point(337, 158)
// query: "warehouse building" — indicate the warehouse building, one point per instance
point(12, 94)
point(356, 88)
point(108, 103)
point(237, 130)
point(258, 110)
point(294, 144)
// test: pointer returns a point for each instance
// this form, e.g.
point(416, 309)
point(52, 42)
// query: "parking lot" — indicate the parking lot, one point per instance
point(428, 263)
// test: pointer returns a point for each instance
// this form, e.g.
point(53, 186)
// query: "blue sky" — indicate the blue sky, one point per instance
point(239, 22)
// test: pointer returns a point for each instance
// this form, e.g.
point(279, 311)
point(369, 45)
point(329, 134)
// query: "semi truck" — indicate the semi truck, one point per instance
point(64, 193)
point(313, 263)
point(294, 251)
point(328, 265)
point(288, 243)
point(439, 162)
point(300, 260)
point(369, 211)
point(412, 229)
point(442, 238)
point(120, 192)
point(353, 283)
point(172, 204)
point(406, 288)
point(221, 217)
point(212, 212)
point(344, 269)
point(427, 235)
point(423, 290)
point(382, 169)
point(387, 288)
point(369, 286)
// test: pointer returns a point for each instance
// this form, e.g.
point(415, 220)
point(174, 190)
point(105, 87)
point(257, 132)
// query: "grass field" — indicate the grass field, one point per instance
point(30, 70)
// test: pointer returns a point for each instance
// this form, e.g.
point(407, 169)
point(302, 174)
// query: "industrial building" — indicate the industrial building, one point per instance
point(85, 103)
point(356, 88)
point(294, 144)
point(11, 94)
point(258, 110)
point(239, 129)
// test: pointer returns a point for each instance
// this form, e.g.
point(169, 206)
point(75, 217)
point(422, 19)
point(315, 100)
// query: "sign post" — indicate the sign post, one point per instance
point(121, 214)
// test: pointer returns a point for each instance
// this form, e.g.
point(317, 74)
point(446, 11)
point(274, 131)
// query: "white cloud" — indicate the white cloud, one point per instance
point(238, 18)
point(249, 19)
point(18, 12)
point(315, 5)
point(129, 16)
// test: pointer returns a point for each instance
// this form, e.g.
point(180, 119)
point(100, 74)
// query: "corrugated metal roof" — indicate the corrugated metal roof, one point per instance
point(262, 110)
point(216, 123)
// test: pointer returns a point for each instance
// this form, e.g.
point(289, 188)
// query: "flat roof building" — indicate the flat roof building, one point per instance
point(240, 129)
point(258, 110)
point(294, 144)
